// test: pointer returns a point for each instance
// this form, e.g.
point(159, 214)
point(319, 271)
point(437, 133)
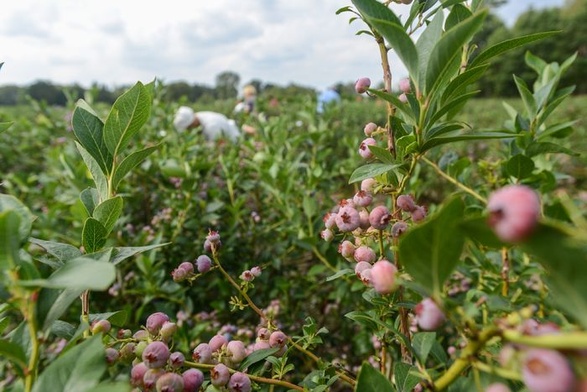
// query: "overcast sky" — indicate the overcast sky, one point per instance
point(118, 42)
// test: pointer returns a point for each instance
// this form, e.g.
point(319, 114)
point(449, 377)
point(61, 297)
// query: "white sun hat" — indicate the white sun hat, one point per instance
point(184, 117)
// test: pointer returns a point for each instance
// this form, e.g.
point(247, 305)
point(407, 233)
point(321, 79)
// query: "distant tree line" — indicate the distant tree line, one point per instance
point(571, 20)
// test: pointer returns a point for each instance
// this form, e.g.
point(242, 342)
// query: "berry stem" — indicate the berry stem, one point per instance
point(566, 341)
point(505, 269)
point(31, 318)
point(383, 52)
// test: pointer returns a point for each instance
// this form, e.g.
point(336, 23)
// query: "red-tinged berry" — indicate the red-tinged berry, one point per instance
point(247, 276)
point(360, 267)
point(399, 228)
point(364, 220)
point(329, 220)
point(187, 267)
point(363, 198)
point(263, 333)
point(547, 370)
point(112, 355)
point(176, 359)
point(101, 326)
point(346, 249)
point(239, 382)
point(192, 380)
point(261, 345)
point(428, 315)
point(514, 211)
point(404, 85)
point(256, 271)
point(497, 387)
point(219, 375)
point(150, 379)
point(364, 150)
point(362, 84)
point(167, 330)
point(327, 235)
point(379, 217)
point(141, 334)
point(347, 219)
point(237, 351)
point(217, 342)
point(368, 184)
point(156, 355)
point(137, 373)
point(127, 352)
point(366, 276)
point(383, 277)
point(419, 214)
point(155, 321)
point(203, 264)
point(170, 382)
point(364, 253)
point(277, 339)
point(405, 203)
point(202, 353)
point(370, 128)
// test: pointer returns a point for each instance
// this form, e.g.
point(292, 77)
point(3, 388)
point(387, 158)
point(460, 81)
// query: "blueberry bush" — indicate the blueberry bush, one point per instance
point(388, 244)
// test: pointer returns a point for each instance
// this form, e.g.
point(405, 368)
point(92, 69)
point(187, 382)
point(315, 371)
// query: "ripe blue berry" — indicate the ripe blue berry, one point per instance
point(203, 263)
point(192, 380)
point(405, 203)
point(176, 359)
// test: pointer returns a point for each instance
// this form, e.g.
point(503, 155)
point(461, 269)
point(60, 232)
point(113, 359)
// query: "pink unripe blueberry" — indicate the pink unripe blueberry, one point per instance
point(150, 378)
point(167, 330)
point(127, 352)
point(360, 267)
point(156, 355)
point(327, 235)
point(368, 184)
point(428, 315)
point(219, 375)
point(398, 228)
point(202, 353)
point(176, 359)
point(141, 334)
point(347, 219)
point(203, 263)
point(329, 220)
point(112, 355)
point(261, 345)
point(547, 370)
point(404, 85)
point(187, 266)
point(418, 214)
point(364, 150)
point(403, 98)
point(497, 387)
point(362, 198)
point(369, 129)
point(383, 276)
point(137, 373)
point(405, 203)
point(366, 276)
point(239, 382)
point(346, 249)
point(362, 84)
point(379, 217)
point(364, 253)
point(247, 276)
point(237, 350)
point(364, 220)
point(140, 347)
point(513, 212)
point(277, 339)
point(179, 275)
point(192, 380)
point(101, 326)
point(256, 271)
point(170, 382)
point(263, 333)
point(155, 321)
point(216, 342)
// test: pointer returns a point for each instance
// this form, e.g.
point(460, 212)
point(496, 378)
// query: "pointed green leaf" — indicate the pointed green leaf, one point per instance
point(97, 174)
point(430, 251)
point(451, 138)
point(59, 304)
point(14, 354)
point(390, 27)
point(9, 241)
point(538, 148)
point(449, 47)
point(128, 114)
point(509, 44)
point(108, 212)
point(527, 97)
point(448, 106)
point(4, 126)
point(81, 273)
point(123, 253)
point(371, 170)
point(535, 62)
point(520, 166)
point(405, 378)
point(402, 107)
point(458, 13)
point(383, 154)
point(422, 343)
point(11, 203)
point(87, 127)
point(257, 356)
point(371, 380)
point(425, 45)
point(77, 370)
point(129, 163)
point(90, 199)
point(61, 251)
point(558, 98)
point(459, 84)
point(93, 235)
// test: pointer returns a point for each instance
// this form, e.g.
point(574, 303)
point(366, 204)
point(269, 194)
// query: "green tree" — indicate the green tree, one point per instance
point(227, 84)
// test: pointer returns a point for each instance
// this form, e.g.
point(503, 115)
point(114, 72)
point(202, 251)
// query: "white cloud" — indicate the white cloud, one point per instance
point(117, 42)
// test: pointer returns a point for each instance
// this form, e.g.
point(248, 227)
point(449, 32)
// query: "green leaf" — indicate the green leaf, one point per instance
point(62, 252)
point(507, 45)
point(430, 251)
point(81, 273)
point(565, 259)
point(87, 127)
point(14, 353)
point(425, 45)
point(422, 343)
point(520, 166)
point(527, 97)
point(390, 27)
point(122, 253)
point(538, 148)
point(9, 241)
point(459, 84)
point(535, 62)
point(4, 126)
point(478, 230)
point(448, 49)
point(11, 203)
point(457, 102)
point(383, 154)
point(97, 174)
point(111, 386)
point(108, 212)
point(457, 14)
point(93, 235)
point(90, 199)
point(129, 163)
point(128, 114)
point(342, 272)
point(77, 370)
point(405, 380)
point(450, 138)
point(402, 107)
point(117, 318)
point(371, 380)
point(257, 356)
point(371, 170)
point(59, 304)
point(559, 130)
